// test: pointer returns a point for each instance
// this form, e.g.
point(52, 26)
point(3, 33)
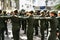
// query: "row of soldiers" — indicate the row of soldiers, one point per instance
point(32, 23)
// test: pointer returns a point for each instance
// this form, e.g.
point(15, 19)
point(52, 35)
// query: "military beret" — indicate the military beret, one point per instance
point(0, 11)
point(16, 11)
point(54, 12)
point(31, 12)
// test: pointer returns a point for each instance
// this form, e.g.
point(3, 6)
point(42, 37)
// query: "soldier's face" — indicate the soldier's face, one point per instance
point(51, 14)
point(28, 14)
point(59, 14)
point(13, 13)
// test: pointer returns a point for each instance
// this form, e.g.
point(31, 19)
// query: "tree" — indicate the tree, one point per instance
point(4, 4)
point(17, 4)
point(57, 7)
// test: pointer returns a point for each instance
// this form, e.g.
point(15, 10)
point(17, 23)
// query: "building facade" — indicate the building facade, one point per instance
point(28, 4)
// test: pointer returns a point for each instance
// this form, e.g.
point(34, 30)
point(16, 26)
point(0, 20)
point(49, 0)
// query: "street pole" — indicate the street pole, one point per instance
point(17, 4)
point(46, 3)
point(9, 4)
point(4, 4)
point(0, 5)
point(2, 1)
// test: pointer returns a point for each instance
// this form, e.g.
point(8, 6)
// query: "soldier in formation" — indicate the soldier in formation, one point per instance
point(58, 30)
point(23, 21)
point(6, 20)
point(15, 25)
point(42, 23)
point(2, 26)
point(30, 30)
point(53, 25)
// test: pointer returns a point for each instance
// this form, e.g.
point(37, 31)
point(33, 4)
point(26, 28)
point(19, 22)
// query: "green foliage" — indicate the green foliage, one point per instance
point(16, 0)
point(57, 7)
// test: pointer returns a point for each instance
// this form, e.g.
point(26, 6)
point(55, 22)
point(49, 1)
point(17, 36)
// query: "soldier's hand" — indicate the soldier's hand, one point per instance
point(15, 15)
point(57, 33)
point(5, 20)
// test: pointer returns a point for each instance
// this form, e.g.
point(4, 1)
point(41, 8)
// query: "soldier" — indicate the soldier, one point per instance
point(42, 23)
point(2, 26)
point(58, 31)
point(46, 22)
point(36, 24)
point(23, 21)
point(6, 19)
point(15, 25)
point(53, 25)
point(30, 27)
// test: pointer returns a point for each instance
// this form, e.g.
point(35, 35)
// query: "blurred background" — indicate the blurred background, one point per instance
point(28, 4)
